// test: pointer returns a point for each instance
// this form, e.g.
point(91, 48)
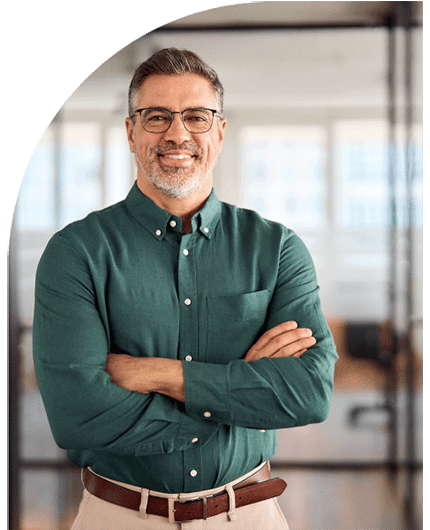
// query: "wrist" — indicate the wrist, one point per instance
point(166, 376)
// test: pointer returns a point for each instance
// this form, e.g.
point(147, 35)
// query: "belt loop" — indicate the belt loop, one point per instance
point(231, 503)
point(171, 507)
point(205, 508)
point(143, 504)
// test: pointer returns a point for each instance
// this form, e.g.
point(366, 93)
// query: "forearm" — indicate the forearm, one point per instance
point(270, 393)
point(148, 374)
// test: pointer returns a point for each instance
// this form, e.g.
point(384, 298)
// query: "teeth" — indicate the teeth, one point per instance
point(178, 157)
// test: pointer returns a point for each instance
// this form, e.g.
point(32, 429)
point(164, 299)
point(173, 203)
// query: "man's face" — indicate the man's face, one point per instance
point(176, 162)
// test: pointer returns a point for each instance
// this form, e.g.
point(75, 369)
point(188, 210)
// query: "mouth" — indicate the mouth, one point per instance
point(176, 159)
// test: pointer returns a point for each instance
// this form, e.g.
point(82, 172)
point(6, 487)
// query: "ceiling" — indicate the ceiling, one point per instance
point(299, 14)
point(270, 54)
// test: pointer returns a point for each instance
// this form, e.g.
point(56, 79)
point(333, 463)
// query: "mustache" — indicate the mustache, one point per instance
point(190, 147)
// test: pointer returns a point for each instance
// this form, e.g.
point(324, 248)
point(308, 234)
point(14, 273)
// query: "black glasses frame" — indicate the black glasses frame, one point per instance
point(171, 118)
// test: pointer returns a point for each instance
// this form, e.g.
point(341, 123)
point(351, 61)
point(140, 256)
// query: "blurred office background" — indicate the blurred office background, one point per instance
point(324, 108)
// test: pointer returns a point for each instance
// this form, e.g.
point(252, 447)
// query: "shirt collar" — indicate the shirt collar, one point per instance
point(157, 221)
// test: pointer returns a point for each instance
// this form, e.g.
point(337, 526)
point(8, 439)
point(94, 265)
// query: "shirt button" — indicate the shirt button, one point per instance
point(193, 473)
point(187, 301)
point(188, 358)
point(173, 223)
point(207, 414)
point(205, 230)
point(194, 440)
point(262, 430)
point(186, 252)
point(158, 233)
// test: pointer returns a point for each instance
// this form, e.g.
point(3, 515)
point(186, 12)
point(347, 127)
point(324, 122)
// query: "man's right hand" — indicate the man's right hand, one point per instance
point(284, 340)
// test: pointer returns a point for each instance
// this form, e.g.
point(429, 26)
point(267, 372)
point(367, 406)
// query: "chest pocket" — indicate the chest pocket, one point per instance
point(233, 324)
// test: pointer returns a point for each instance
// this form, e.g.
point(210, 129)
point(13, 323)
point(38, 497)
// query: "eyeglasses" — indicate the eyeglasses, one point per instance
point(158, 120)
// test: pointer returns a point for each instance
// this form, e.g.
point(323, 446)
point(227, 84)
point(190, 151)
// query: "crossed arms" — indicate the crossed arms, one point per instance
point(102, 401)
point(166, 376)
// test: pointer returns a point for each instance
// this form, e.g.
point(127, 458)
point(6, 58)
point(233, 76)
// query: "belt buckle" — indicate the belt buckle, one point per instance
point(204, 499)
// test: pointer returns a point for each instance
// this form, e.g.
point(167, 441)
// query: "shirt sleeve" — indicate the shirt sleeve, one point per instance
point(70, 344)
point(280, 392)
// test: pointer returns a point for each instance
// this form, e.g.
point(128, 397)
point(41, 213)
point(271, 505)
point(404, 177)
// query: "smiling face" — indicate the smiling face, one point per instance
point(176, 163)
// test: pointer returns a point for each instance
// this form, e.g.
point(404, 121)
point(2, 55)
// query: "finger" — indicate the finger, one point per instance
point(286, 339)
point(296, 349)
point(284, 345)
point(274, 332)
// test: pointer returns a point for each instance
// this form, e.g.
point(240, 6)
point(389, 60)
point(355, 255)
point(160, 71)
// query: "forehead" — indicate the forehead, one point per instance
point(176, 92)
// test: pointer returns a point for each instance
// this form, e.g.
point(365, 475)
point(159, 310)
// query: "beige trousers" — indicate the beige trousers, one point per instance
point(96, 514)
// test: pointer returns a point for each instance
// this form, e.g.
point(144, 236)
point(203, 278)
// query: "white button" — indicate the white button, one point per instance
point(172, 223)
point(262, 430)
point(188, 358)
point(187, 301)
point(186, 252)
point(207, 414)
point(194, 440)
point(205, 230)
point(158, 233)
point(193, 473)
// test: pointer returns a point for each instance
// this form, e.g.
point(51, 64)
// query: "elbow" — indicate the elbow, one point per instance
point(322, 404)
point(321, 411)
point(318, 406)
point(68, 438)
point(73, 433)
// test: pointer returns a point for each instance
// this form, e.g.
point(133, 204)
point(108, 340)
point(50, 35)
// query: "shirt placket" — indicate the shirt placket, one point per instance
point(188, 346)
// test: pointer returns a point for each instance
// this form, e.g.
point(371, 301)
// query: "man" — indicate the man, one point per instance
point(173, 333)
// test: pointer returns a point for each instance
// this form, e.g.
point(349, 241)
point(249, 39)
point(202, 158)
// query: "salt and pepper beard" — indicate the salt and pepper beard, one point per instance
point(175, 182)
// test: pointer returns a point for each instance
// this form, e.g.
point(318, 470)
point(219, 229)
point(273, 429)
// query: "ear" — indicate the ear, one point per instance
point(221, 130)
point(129, 126)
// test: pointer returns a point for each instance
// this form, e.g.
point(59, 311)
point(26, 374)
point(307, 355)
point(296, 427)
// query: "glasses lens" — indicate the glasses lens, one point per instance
point(198, 120)
point(155, 120)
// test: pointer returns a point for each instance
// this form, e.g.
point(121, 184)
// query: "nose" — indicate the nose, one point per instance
point(177, 132)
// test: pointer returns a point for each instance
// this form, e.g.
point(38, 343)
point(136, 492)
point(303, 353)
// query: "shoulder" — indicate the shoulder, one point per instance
point(91, 228)
point(87, 236)
point(251, 221)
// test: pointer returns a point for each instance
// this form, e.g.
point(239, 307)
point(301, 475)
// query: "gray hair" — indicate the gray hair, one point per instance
point(172, 61)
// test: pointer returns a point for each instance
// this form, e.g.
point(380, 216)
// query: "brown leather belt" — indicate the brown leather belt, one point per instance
point(256, 488)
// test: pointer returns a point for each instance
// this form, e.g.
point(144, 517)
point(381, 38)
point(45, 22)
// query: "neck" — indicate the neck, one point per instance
point(184, 208)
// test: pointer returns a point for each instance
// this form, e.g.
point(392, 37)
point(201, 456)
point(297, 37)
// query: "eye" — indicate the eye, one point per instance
point(154, 116)
point(157, 117)
point(197, 116)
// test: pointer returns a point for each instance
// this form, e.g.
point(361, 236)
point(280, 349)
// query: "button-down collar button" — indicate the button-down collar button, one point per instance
point(206, 230)
point(195, 440)
point(188, 358)
point(207, 414)
point(186, 252)
point(187, 301)
point(173, 223)
point(193, 473)
point(158, 232)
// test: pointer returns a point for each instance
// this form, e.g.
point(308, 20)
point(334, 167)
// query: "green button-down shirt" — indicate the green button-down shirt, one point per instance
point(127, 280)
